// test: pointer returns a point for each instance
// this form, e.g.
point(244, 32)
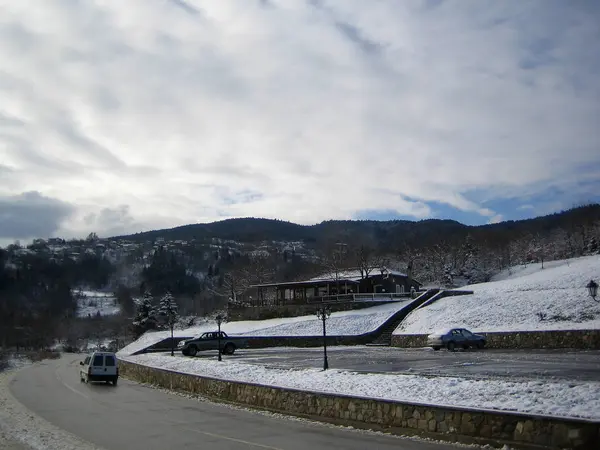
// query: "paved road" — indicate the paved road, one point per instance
point(546, 364)
point(130, 416)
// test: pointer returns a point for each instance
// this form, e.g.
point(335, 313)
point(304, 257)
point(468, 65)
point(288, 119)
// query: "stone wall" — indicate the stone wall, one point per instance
point(453, 424)
point(308, 341)
point(579, 339)
point(236, 313)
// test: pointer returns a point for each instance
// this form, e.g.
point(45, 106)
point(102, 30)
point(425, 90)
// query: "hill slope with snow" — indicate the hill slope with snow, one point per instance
point(524, 298)
point(342, 323)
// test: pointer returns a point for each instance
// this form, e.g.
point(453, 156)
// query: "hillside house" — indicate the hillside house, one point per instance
point(344, 286)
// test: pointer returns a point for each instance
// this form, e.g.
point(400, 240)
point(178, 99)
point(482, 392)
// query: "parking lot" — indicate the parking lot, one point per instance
point(545, 364)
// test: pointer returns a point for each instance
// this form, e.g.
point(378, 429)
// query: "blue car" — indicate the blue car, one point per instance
point(454, 338)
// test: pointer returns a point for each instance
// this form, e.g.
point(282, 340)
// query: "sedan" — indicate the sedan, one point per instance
point(455, 337)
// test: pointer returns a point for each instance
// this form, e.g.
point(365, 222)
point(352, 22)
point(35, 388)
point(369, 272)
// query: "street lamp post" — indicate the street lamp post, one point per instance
point(593, 289)
point(219, 319)
point(323, 314)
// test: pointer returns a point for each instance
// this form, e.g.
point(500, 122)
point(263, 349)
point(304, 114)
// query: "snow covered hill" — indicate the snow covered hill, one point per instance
point(524, 298)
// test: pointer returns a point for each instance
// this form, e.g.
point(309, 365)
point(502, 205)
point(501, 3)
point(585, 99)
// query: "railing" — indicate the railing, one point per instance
point(344, 298)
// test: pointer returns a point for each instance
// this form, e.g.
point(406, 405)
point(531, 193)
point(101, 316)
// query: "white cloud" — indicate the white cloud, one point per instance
point(190, 111)
point(496, 219)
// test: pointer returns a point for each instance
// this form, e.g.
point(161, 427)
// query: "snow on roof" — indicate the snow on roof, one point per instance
point(343, 275)
point(520, 299)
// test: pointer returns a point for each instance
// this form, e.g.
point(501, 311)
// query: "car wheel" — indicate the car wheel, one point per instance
point(451, 346)
point(480, 345)
point(436, 348)
point(192, 350)
point(229, 349)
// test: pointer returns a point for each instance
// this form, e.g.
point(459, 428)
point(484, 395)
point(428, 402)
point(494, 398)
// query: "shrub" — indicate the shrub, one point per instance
point(3, 361)
point(40, 355)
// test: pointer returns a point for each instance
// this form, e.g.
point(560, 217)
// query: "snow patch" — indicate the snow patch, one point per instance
point(92, 303)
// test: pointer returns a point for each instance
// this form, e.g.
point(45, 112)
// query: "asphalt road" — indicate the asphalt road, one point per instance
point(131, 416)
point(545, 364)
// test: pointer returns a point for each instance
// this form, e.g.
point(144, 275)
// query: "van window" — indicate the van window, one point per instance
point(109, 360)
point(98, 360)
point(87, 360)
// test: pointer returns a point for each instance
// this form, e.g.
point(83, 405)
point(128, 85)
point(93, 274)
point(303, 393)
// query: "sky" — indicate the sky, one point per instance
point(119, 117)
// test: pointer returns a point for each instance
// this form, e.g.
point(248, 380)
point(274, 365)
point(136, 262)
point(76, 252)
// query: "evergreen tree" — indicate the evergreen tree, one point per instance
point(145, 315)
point(168, 310)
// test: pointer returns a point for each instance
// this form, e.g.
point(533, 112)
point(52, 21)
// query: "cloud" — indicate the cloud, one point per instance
point(31, 215)
point(194, 110)
point(496, 219)
point(112, 221)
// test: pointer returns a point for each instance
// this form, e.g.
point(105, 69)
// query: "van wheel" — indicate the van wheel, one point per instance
point(229, 349)
point(114, 382)
point(192, 350)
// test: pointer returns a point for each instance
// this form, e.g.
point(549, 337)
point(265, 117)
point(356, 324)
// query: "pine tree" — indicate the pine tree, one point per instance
point(145, 315)
point(168, 310)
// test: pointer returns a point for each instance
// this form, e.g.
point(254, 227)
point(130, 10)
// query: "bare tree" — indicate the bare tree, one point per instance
point(364, 255)
point(408, 256)
point(334, 260)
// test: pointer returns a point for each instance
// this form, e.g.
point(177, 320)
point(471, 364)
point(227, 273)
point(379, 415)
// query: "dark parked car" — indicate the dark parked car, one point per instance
point(210, 341)
point(455, 337)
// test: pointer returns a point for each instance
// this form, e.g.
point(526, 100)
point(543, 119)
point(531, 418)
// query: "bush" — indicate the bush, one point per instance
point(35, 356)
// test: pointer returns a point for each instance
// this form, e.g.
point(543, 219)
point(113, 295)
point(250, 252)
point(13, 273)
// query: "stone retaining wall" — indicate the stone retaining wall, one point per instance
point(454, 424)
point(579, 339)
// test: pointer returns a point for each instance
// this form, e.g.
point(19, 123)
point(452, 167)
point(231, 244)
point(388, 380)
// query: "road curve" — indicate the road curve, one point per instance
point(135, 417)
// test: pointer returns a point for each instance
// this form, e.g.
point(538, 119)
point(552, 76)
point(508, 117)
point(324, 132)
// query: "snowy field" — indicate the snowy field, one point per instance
point(524, 298)
point(92, 302)
point(343, 323)
point(565, 399)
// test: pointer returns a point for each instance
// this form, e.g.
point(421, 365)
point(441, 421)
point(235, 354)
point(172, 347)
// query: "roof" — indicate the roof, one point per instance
point(311, 282)
point(351, 276)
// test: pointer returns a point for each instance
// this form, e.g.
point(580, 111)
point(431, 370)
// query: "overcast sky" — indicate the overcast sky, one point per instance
point(123, 116)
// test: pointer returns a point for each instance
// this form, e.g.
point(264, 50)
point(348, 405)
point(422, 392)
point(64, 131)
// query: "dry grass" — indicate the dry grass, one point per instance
point(40, 355)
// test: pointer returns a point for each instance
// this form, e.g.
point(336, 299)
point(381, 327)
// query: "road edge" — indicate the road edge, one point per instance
point(462, 425)
point(28, 429)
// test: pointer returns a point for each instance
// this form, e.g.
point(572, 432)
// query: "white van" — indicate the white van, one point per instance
point(99, 366)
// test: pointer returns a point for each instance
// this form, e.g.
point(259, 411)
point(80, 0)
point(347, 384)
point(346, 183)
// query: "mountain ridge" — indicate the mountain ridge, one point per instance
point(251, 229)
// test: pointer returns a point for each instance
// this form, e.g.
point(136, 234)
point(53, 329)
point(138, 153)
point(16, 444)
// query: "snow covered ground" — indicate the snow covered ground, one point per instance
point(524, 298)
point(343, 323)
point(573, 399)
point(90, 303)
